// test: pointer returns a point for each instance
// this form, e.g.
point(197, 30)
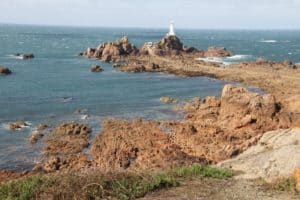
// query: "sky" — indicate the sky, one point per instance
point(190, 14)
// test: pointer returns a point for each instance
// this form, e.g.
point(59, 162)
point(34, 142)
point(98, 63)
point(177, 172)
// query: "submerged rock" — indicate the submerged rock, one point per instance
point(5, 71)
point(35, 136)
point(25, 56)
point(17, 126)
point(168, 100)
point(96, 68)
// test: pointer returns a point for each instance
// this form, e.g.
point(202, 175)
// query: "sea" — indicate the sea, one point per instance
point(57, 85)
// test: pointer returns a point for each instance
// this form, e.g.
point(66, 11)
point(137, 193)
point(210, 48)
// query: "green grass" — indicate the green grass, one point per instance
point(285, 185)
point(97, 186)
point(21, 190)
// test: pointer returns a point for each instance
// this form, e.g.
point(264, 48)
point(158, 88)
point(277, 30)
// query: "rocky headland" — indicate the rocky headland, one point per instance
point(232, 129)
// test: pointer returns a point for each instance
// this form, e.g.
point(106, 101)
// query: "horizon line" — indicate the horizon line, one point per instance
point(149, 28)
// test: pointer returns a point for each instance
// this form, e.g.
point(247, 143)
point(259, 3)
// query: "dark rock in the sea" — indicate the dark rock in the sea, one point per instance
point(27, 56)
point(96, 68)
point(5, 71)
point(16, 126)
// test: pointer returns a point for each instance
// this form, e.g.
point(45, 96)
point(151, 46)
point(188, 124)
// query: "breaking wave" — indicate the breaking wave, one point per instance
point(228, 60)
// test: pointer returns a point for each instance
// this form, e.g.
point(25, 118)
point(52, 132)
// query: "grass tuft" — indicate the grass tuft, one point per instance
point(20, 190)
point(99, 186)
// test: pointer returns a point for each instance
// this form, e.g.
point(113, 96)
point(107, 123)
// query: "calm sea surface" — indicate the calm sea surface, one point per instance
point(57, 83)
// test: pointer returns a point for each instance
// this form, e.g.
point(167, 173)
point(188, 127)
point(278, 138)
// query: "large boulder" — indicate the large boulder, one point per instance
point(277, 155)
point(4, 71)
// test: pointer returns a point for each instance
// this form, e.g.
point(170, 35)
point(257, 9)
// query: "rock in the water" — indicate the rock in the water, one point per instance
point(112, 51)
point(168, 100)
point(27, 56)
point(96, 68)
point(42, 127)
point(35, 136)
point(5, 71)
point(277, 155)
point(16, 126)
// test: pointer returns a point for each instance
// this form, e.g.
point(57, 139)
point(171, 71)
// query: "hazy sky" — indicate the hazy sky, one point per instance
point(250, 14)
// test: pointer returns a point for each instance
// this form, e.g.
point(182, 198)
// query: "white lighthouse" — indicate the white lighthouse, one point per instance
point(171, 31)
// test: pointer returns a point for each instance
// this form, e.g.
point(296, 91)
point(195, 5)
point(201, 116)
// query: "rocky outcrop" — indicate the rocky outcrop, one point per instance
point(217, 52)
point(112, 51)
point(220, 128)
point(272, 64)
point(68, 138)
point(17, 126)
point(137, 145)
point(96, 68)
point(4, 71)
point(277, 155)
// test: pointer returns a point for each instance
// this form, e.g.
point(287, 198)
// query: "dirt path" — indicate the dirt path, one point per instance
point(212, 189)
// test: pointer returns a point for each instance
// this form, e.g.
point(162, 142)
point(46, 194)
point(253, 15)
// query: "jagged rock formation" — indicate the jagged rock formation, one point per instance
point(112, 51)
point(68, 138)
point(137, 145)
point(220, 128)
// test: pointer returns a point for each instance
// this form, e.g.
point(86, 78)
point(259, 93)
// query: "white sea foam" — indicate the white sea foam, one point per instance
point(14, 57)
point(228, 60)
point(268, 41)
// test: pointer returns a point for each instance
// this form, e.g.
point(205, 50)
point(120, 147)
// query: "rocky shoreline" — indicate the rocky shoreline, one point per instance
point(214, 129)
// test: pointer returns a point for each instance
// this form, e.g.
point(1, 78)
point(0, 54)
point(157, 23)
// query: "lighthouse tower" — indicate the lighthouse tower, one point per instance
point(171, 31)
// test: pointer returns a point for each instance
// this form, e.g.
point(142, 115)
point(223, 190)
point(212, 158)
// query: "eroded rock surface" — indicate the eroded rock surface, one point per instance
point(68, 138)
point(137, 145)
point(220, 128)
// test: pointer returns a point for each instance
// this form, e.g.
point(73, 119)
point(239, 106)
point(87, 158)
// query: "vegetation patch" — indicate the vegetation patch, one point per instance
point(98, 186)
point(285, 185)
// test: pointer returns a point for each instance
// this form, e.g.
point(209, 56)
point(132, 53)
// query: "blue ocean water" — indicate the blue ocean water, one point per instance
point(51, 87)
